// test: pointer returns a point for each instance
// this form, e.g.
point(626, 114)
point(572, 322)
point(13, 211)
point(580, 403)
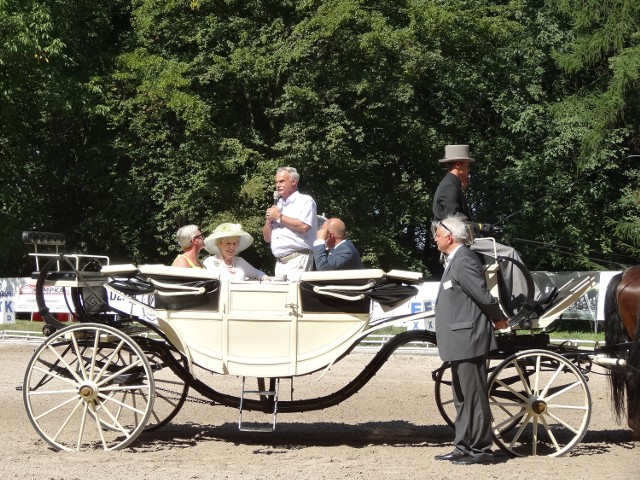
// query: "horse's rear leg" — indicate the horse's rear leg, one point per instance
point(633, 385)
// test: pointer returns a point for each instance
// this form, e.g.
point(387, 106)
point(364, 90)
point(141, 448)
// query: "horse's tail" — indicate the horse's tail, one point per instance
point(633, 383)
point(614, 334)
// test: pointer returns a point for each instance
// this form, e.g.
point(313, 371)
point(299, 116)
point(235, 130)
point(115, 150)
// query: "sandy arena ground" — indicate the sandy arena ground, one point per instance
point(391, 429)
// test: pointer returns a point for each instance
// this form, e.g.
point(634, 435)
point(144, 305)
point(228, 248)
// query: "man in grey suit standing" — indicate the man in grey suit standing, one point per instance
point(332, 250)
point(465, 337)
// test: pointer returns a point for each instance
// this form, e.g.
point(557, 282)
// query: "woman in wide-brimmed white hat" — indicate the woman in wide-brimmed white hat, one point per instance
point(224, 244)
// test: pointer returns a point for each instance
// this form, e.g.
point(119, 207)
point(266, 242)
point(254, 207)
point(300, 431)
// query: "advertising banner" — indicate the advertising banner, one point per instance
point(57, 299)
point(8, 288)
point(589, 307)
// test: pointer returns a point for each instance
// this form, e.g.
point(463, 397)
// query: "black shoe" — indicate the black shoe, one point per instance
point(450, 456)
point(469, 460)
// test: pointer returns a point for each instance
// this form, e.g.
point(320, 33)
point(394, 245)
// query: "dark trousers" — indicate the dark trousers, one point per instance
point(471, 399)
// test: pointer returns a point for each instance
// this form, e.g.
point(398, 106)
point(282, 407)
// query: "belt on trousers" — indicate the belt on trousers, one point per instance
point(291, 256)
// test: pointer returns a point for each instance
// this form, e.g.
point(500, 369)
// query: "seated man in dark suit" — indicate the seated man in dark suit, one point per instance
point(332, 250)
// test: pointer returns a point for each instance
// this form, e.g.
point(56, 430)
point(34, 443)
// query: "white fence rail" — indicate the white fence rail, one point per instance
point(20, 336)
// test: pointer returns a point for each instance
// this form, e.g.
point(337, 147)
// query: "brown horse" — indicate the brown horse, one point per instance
point(622, 335)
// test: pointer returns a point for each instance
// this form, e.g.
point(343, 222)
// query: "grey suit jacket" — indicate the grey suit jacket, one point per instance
point(463, 329)
point(344, 257)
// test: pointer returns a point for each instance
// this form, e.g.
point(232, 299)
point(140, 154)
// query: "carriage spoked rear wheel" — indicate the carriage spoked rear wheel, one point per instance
point(171, 391)
point(88, 387)
point(543, 399)
point(444, 394)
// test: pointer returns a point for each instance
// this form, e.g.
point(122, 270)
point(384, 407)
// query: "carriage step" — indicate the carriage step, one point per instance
point(253, 426)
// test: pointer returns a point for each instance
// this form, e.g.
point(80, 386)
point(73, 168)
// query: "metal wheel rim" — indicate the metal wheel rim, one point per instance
point(443, 394)
point(88, 387)
point(540, 404)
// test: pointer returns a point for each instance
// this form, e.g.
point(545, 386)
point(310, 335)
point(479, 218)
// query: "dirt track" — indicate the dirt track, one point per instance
point(390, 429)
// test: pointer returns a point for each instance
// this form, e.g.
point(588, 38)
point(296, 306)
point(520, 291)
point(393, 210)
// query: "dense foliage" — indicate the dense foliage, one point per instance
point(121, 120)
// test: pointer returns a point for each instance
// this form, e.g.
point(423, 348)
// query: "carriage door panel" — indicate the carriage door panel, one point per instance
point(261, 328)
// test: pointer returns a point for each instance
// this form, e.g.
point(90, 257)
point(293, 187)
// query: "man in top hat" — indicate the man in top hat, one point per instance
point(450, 199)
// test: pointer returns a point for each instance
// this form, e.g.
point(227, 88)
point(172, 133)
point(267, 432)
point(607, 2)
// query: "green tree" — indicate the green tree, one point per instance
point(602, 63)
point(51, 132)
point(121, 121)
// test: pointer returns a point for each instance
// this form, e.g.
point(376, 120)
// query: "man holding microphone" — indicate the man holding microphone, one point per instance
point(290, 226)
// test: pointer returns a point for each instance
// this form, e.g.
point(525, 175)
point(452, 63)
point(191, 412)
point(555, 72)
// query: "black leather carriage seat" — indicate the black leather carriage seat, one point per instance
point(179, 288)
point(351, 291)
point(126, 279)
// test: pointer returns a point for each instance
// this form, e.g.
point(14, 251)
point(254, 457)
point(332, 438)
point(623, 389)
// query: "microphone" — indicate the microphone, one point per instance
point(276, 196)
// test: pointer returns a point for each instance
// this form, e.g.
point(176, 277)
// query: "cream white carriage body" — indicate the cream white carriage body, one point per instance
point(261, 329)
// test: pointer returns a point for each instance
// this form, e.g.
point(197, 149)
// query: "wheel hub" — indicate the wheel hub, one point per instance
point(539, 406)
point(88, 392)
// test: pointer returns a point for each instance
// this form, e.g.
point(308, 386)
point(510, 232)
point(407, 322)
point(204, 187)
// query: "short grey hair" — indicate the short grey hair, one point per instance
point(293, 173)
point(457, 226)
point(185, 234)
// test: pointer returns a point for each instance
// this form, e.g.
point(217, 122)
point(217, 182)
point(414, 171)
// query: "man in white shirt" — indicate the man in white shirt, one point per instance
point(290, 226)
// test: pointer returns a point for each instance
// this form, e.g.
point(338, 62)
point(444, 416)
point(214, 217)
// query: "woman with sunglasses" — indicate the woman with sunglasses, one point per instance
point(191, 242)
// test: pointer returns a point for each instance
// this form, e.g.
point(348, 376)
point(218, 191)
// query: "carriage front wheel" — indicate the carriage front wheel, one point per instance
point(88, 386)
point(540, 403)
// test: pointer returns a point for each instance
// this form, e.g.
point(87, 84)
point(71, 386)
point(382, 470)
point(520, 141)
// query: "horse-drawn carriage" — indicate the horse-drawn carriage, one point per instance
point(116, 372)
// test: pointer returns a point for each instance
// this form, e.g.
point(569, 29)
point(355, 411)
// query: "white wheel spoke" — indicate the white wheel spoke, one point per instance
point(96, 415)
point(132, 408)
point(508, 388)
point(516, 437)
point(550, 433)
point(564, 390)
point(536, 377)
point(64, 362)
point(68, 419)
point(56, 408)
point(83, 422)
point(115, 423)
point(562, 422)
point(109, 361)
point(124, 369)
point(510, 419)
point(547, 407)
point(523, 378)
point(550, 382)
point(78, 354)
point(54, 374)
point(89, 386)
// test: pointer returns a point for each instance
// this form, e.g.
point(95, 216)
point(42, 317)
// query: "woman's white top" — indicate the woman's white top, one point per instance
point(240, 270)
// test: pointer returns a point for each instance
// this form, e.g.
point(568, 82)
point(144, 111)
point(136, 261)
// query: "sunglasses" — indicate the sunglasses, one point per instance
point(201, 236)
point(435, 225)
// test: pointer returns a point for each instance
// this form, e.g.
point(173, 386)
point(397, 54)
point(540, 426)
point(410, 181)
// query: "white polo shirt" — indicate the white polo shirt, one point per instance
point(285, 241)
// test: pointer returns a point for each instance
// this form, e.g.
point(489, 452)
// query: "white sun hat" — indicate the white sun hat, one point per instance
point(225, 230)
